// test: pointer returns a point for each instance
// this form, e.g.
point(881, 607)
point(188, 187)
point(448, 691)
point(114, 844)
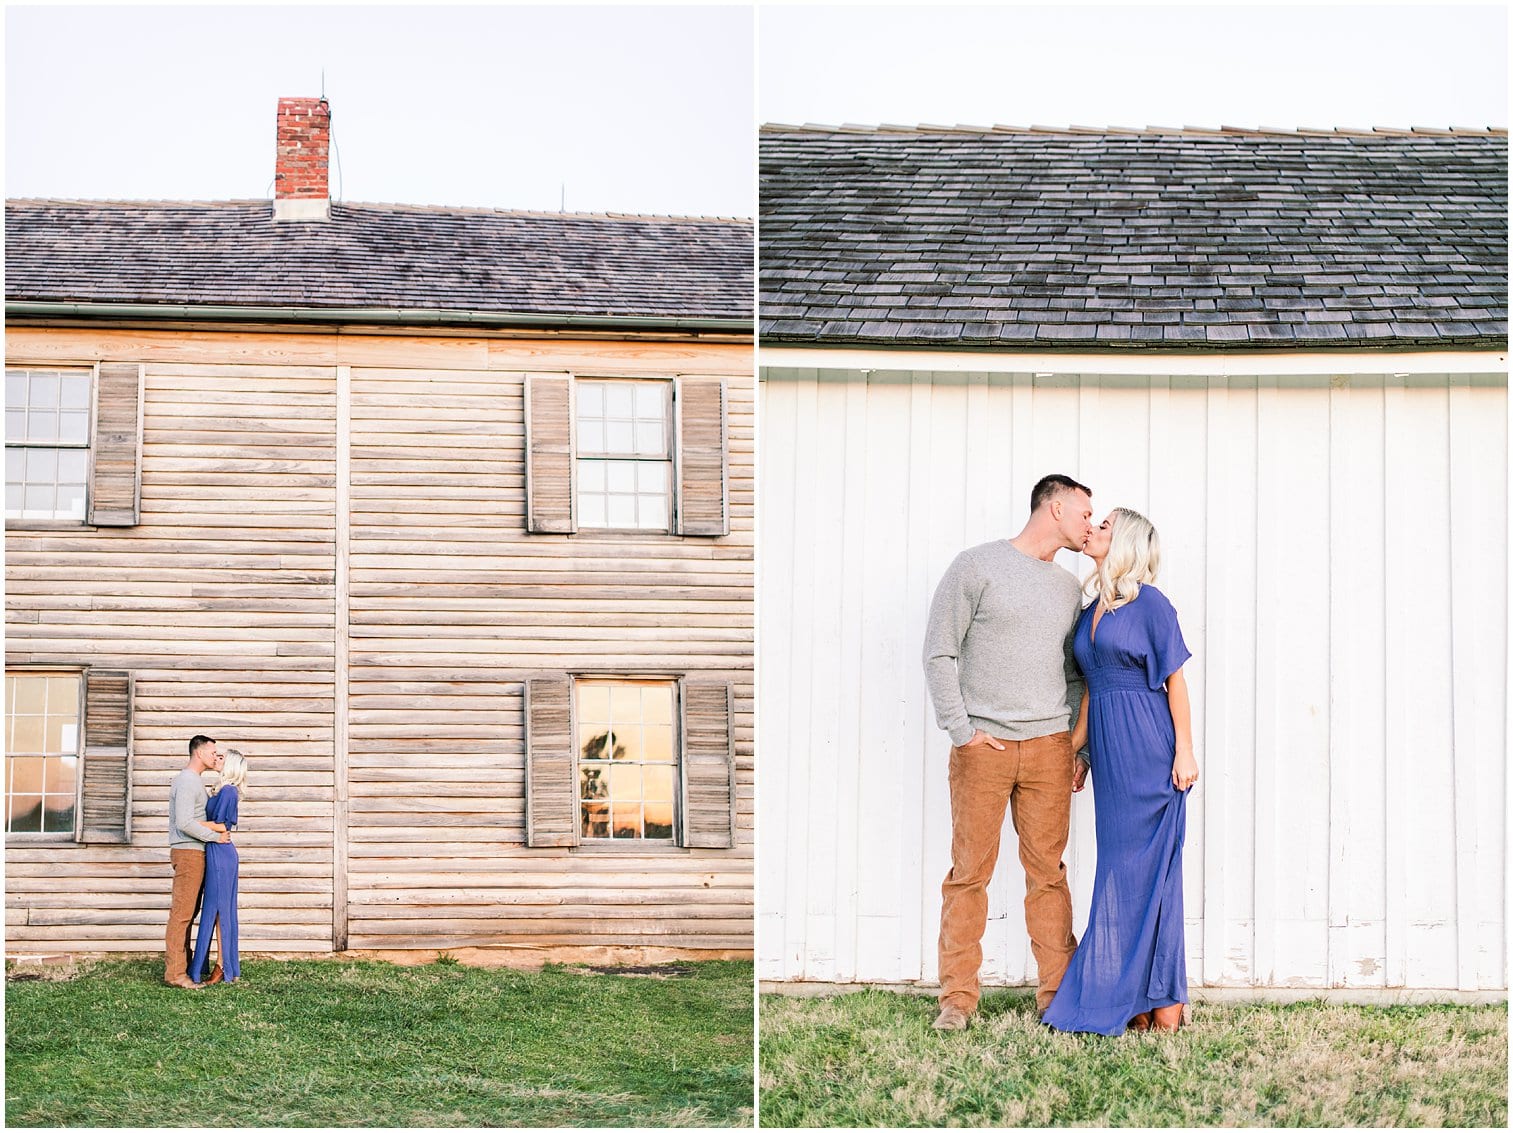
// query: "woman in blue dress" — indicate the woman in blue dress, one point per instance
point(1130, 970)
point(222, 867)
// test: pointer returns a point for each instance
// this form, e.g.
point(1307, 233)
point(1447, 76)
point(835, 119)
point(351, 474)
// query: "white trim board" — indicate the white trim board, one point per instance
point(1197, 363)
point(1377, 997)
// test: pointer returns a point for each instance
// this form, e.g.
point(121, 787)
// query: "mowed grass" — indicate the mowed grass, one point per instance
point(870, 1059)
point(344, 1043)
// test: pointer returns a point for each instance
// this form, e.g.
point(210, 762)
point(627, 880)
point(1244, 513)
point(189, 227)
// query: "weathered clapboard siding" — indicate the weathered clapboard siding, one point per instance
point(1335, 544)
point(449, 607)
point(220, 601)
point(453, 606)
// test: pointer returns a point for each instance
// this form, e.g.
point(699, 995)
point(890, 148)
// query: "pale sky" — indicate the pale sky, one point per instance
point(638, 109)
point(1358, 65)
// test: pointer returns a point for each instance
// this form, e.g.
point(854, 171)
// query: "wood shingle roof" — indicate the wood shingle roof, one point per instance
point(366, 256)
point(951, 236)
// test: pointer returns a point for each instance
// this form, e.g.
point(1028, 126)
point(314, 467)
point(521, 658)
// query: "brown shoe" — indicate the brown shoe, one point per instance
point(950, 1019)
point(216, 976)
point(1141, 1022)
point(1167, 1018)
point(186, 983)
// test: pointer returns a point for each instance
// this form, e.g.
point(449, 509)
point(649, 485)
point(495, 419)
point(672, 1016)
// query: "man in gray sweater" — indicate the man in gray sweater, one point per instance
point(999, 665)
point(187, 834)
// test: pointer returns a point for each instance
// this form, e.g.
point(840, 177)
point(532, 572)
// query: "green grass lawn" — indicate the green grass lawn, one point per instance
point(341, 1043)
point(871, 1059)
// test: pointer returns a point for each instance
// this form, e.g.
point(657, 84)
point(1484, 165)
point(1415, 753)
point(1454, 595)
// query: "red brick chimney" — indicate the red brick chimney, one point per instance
point(301, 178)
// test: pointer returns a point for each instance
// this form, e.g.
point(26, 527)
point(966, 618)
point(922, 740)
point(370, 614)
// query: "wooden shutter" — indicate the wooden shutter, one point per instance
point(115, 490)
point(708, 765)
point(702, 458)
point(551, 796)
point(105, 770)
point(549, 475)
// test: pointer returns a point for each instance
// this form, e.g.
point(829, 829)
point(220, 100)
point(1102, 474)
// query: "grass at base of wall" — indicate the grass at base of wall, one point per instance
point(344, 1043)
point(871, 1059)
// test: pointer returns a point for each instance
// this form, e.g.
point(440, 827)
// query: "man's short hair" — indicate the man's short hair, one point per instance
point(198, 742)
point(1052, 486)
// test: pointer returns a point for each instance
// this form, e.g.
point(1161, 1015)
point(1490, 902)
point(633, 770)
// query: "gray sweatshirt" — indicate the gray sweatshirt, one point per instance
point(186, 813)
point(998, 646)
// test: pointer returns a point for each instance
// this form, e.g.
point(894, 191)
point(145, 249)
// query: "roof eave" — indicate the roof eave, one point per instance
point(1126, 346)
point(378, 316)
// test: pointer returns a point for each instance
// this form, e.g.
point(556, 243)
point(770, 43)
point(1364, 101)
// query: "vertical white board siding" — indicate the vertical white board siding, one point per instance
point(1335, 547)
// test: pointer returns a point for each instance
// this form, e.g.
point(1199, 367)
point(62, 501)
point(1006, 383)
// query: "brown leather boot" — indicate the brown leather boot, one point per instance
point(1141, 1022)
point(1167, 1018)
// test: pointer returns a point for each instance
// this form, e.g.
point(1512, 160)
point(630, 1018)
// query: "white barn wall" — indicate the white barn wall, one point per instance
point(1335, 544)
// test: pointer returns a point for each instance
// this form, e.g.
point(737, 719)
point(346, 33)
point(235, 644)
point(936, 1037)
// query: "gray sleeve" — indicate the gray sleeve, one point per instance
point(951, 613)
point(1076, 687)
point(181, 812)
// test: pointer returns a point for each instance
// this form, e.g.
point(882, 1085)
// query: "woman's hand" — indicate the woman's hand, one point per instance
point(1184, 769)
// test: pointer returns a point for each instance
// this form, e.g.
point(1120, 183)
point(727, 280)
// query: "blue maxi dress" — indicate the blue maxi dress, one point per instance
point(222, 867)
point(1132, 957)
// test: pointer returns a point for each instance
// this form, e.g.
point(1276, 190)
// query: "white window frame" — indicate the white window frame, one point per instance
point(675, 685)
point(71, 834)
point(668, 459)
point(20, 516)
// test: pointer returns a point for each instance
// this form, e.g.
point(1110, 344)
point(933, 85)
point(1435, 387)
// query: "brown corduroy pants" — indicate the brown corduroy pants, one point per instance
point(1033, 779)
point(188, 877)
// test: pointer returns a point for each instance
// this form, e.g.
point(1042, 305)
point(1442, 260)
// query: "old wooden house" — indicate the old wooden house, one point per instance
point(442, 516)
point(1289, 350)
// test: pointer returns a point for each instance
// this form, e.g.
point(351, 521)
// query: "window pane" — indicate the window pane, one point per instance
point(620, 475)
point(14, 497)
point(73, 426)
point(625, 783)
point(658, 820)
point(619, 437)
point(591, 436)
point(63, 694)
point(75, 391)
point(618, 401)
point(591, 475)
point(595, 743)
point(41, 465)
point(626, 820)
point(656, 704)
point(657, 741)
point(592, 782)
point(651, 476)
point(70, 501)
point(590, 399)
point(28, 734)
point(593, 703)
point(62, 772)
point(649, 438)
point(59, 815)
point(651, 398)
point(73, 465)
point(26, 775)
point(621, 511)
point(658, 785)
point(44, 391)
point(15, 389)
point(42, 425)
point(653, 513)
point(38, 498)
point(592, 511)
point(15, 424)
point(15, 465)
point(24, 814)
point(595, 819)
point(31, 694)
point(625, 703)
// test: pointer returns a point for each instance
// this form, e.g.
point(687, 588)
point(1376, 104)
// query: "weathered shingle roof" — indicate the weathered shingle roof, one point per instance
point(1076, 238)
point(378, 256)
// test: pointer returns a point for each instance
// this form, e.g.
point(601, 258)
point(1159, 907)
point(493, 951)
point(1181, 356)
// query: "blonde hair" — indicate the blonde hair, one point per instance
point(234, 771)
point(1134, 557)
